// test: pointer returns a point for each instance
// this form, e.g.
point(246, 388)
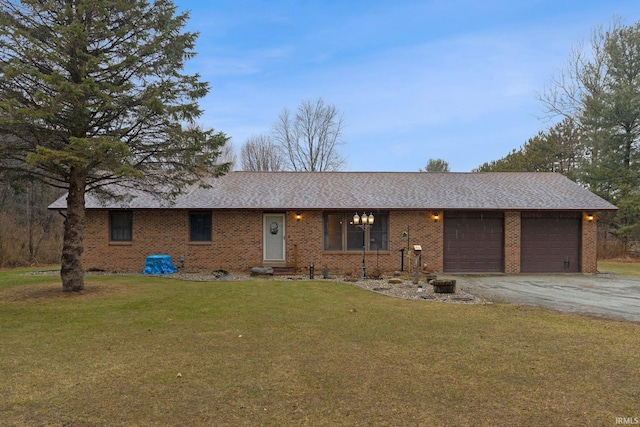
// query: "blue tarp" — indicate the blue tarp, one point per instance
point(159, 264)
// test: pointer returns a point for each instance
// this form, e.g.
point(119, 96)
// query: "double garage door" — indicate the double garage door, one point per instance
point(474, 242)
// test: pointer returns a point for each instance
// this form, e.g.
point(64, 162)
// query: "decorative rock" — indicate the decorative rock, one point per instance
point(261, 271)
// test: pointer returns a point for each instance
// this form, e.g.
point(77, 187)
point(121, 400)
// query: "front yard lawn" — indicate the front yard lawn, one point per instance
point(627, 268)
point(150, 351)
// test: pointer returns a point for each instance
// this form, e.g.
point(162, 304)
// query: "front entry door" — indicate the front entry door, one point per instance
point(274, 249)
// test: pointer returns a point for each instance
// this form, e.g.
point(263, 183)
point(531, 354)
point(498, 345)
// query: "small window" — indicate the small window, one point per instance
point(333, 232)
point(356, 238)
point(120, 224)
point(379, 233)
point(200, 226)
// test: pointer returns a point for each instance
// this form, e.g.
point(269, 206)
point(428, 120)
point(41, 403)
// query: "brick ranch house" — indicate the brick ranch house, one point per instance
point(465, 222)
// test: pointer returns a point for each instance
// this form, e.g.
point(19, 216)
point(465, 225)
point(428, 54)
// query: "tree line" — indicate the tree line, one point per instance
point(29, 233)
point(596, 141)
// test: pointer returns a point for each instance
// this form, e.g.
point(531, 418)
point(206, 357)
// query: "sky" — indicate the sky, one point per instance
point(457, 80)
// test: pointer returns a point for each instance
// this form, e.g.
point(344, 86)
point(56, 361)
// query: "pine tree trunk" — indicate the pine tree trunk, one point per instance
point(72, 273)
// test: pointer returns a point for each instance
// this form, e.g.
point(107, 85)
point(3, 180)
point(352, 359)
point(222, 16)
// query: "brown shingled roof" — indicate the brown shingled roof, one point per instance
point(378, 190)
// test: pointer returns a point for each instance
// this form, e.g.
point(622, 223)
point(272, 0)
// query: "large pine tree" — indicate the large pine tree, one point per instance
point(600, 90)
point(93, 97)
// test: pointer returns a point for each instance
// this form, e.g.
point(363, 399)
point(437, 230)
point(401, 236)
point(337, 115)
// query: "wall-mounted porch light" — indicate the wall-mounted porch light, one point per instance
point(590, 217)
point(436, 217)
point(298, 216)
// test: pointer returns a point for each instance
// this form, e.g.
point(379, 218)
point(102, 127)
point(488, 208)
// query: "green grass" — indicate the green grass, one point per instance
point(148, 351)
point(619, 267)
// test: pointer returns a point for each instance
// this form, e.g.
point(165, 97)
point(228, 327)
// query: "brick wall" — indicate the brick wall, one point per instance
point(304, 244)
point(512, 242)
point(589, 243)
point(237, 242)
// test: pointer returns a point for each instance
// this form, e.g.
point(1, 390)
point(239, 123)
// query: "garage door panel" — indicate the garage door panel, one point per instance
point(474, 242)
point(550, 244)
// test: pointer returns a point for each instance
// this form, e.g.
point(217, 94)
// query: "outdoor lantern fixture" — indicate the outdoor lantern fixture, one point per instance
point(366, 219)
point(589, 217)
point(436, 217)
point(363, 222)
point(298, 216)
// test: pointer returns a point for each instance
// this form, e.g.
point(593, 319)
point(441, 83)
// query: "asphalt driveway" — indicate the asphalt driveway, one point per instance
point(607, 295)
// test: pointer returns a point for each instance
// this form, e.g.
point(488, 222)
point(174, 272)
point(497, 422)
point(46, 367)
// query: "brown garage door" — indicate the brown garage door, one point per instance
point(473, 242)
point(550, 243)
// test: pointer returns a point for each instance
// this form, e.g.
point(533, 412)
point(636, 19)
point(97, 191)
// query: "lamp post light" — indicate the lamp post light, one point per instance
point(363, 222)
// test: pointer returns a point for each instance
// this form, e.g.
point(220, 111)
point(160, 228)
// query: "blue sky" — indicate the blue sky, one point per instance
point(450, 79)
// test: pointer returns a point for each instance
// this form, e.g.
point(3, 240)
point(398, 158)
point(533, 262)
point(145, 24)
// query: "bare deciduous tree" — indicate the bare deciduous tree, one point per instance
point(582, 81)
point(310, 139)
point(228, 155)
point(260, 153)
point(29, 233)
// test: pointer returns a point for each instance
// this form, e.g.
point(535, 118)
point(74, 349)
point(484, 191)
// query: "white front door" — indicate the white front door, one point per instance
point(274, 240)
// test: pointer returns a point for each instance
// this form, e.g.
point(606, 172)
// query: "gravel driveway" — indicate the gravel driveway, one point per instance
point(607, 295)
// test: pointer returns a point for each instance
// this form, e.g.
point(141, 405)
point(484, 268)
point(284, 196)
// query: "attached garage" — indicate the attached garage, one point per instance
point(474, 242)
point(490, 222)
point(550, 242)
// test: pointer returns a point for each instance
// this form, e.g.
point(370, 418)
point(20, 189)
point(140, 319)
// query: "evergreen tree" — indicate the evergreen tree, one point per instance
point(610, 115)
point(598, 141)
point(557, 150)
point(93, 97)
